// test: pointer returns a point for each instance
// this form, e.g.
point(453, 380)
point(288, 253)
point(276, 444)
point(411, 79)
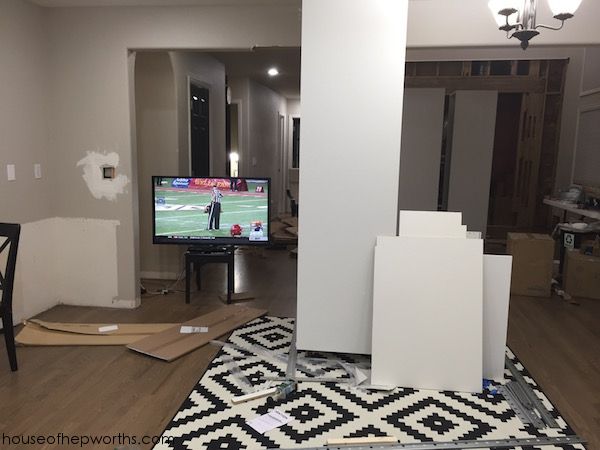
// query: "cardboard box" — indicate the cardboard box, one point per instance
point(590, 247)
point(533, 256)
point(582, 275)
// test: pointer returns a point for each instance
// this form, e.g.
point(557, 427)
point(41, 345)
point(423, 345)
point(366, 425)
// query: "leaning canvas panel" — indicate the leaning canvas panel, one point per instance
point(431, 224)
point(342, 214)
point(427, 313)
point(496, 295)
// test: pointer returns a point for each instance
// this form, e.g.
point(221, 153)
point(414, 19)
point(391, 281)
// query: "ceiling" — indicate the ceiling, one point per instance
point(254, 65)
point(69, 3)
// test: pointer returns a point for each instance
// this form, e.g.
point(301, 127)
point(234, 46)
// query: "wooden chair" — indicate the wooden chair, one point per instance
point(9, 242)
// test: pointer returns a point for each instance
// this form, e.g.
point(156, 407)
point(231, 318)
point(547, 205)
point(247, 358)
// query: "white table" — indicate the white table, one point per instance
point(572, 208)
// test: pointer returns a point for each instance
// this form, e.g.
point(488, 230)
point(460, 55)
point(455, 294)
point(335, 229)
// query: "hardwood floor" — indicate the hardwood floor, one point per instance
point(110, 390)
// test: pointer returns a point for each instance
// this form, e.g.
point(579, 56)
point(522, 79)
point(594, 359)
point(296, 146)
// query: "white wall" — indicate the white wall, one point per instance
point(157, 153)
point(66, 260)
point(351, 116)
point(204, 71)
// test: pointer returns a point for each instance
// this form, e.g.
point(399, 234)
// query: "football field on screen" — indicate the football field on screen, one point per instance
point(183, 211)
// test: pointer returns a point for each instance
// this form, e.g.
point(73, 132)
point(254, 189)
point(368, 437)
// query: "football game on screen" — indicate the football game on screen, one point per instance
point(211, 208)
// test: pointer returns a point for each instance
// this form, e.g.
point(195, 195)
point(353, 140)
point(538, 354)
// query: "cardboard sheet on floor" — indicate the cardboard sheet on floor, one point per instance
point(41, 333)
point(171, 344)
point(427, 313)
point(238, 296)
point(496, 295)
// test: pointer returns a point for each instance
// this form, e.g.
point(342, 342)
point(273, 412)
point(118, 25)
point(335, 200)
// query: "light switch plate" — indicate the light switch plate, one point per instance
point(37, 171)
point(10, 172)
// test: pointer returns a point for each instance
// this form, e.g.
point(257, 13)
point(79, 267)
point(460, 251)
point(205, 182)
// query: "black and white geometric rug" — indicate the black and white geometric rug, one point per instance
point(208, 419)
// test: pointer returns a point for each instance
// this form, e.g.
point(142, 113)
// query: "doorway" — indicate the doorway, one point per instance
point(234, 139)
point(199, 130)
point(506, 142)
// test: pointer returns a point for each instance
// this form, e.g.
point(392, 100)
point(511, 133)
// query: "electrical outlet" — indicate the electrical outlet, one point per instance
point(10, 172)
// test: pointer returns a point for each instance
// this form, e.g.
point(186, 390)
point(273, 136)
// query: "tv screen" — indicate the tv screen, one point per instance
point(216, 211)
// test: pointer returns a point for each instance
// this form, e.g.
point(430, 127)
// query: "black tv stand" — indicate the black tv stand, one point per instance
point(198, 255)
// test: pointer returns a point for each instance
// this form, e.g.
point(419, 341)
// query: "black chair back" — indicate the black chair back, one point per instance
point(9, 243)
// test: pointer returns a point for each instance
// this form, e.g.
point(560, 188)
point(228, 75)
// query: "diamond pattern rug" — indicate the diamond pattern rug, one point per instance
point(208, 419)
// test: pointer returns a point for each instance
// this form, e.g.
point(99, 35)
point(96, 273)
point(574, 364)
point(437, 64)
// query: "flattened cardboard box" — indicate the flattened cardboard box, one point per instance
point(533, 256)
point(40, 333)
point(582, 275)
point(171, 344)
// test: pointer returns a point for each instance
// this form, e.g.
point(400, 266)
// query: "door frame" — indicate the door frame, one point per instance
point(202, 84)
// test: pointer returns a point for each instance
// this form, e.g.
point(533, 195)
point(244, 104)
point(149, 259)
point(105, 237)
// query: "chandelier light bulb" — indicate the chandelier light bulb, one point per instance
point(560, 7)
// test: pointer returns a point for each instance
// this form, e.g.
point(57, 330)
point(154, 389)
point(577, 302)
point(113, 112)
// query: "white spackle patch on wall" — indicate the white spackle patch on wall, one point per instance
point(92, 175)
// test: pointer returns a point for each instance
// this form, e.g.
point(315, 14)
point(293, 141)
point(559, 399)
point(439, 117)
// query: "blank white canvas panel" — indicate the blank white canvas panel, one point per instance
point(431, 224)
point(471, 156)
point(496, 295)
point(427, 313)
point(353, 57)
point(422, 126)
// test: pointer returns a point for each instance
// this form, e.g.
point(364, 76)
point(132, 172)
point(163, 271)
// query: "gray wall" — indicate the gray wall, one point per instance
point(265, 155)
point(259, 151)
point(422, 126)
point(207, 72)
point(90, 93)
point(24, 113)
point(586, 166)
point(471, 156)
point(568, 127)
point(156, 133)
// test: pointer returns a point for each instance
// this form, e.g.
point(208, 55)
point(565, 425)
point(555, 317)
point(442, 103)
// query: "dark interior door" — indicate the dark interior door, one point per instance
point(199, 131)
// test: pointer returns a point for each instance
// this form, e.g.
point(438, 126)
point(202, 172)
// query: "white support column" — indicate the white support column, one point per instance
point(353, 55)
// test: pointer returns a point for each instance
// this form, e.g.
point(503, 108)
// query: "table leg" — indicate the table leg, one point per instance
point(230, 278)
point(187, 278)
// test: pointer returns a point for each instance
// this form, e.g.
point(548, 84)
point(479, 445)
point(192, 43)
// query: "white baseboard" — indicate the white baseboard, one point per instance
point(126, 304)
point(159, 275)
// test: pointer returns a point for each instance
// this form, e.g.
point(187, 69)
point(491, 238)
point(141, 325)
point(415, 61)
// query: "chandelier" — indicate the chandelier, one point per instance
point(518, 17)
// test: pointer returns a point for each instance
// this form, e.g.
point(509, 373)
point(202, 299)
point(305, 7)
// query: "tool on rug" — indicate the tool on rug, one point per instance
point(283, 391)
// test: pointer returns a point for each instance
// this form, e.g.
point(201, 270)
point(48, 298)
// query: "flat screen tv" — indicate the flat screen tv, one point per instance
point(210, 211)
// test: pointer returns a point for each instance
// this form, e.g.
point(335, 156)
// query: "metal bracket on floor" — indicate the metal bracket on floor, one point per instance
point(491, 443)
point(520, 404)
point(290, 371)
point(529, 393)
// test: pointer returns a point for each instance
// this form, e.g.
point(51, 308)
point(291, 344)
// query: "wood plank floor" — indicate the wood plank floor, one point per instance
point(111, 391)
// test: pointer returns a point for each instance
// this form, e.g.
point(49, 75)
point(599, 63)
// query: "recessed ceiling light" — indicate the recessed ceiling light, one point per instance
point(273, 72)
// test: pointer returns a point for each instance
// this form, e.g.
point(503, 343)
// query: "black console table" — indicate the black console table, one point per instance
point(195, 257)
